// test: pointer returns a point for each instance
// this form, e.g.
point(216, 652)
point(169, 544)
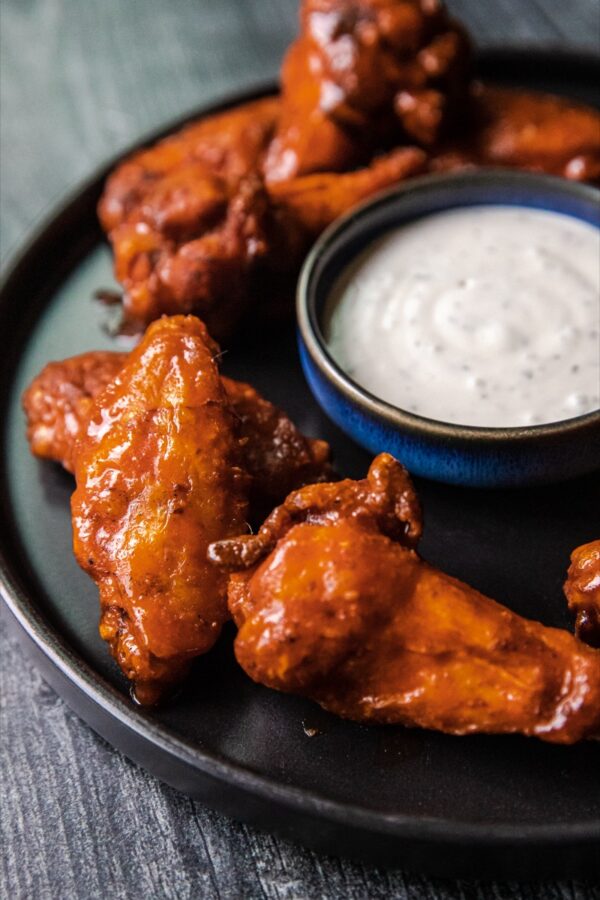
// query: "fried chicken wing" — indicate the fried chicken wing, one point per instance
point(362, 73)
point(527, 130)
point(582, 590)
point(186, 218)
point(208, 274)
point(159, 475)
point(277, 456)
point(182, 183)
point(332, 602)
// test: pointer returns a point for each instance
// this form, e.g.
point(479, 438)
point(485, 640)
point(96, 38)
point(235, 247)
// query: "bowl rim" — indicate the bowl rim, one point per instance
point(310, 331)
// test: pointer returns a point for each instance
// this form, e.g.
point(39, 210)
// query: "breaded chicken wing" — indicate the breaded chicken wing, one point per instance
point(361, 74)
point(582, 590)
point(332, 602)
point(277, 456)
point(159, 475)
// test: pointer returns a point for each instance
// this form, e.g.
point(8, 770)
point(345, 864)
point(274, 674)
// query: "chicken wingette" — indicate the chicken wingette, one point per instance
point(159, 474)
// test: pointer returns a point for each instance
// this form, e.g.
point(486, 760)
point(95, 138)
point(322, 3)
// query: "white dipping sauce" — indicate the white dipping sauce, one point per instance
point(481, 316)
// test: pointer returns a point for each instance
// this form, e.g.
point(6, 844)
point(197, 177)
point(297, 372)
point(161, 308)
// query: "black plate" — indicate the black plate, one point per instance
point(503, 806)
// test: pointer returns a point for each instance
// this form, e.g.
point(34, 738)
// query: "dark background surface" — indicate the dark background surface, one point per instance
point(81, 80)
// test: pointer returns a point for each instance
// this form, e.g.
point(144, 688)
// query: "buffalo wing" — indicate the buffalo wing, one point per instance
point(59, 401)
point(186, 218)
point(332, 602)
point(159, 475)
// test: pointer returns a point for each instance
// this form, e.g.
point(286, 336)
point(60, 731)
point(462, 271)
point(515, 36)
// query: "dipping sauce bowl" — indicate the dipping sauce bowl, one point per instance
point(449, 452)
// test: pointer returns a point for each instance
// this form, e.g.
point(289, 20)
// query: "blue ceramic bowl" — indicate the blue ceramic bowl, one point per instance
point(457, 454)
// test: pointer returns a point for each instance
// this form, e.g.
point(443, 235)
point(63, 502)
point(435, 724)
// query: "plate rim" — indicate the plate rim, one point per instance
point(50, 642)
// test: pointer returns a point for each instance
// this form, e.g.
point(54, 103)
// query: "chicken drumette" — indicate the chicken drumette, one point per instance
point(582, 589)
point(277, 456)
point(332, 602)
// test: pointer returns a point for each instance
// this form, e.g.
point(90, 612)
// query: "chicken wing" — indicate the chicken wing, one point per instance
point(159, 475)
point(182, 183)
point(526, 130)
point(277, 456)
point(332, 602)
point(582, 589)
point(185, 218)
point(361, 74)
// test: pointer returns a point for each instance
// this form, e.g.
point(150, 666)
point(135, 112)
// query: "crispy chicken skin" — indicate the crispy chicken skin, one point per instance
point(332, 602)
point(159, 477)
point(363, 73)
point(526, 130)
point(582, 590)
point(184, 180)
point(277, 456)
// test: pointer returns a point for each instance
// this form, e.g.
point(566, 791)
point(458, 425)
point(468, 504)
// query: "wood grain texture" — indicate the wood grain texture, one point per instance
point(80, 81)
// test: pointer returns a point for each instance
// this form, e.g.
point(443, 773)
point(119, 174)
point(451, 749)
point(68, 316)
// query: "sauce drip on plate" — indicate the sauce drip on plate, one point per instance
point(484, 315)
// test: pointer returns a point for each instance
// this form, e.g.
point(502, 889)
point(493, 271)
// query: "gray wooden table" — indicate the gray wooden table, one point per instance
point(80, 80)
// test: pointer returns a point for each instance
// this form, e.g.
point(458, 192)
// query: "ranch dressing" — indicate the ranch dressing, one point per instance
point(483, 316)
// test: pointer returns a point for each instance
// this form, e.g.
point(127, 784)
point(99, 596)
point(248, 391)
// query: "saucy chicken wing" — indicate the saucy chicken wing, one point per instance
point(332, 602)
point(361, 74)
point(526, 130)
point(159, 475)
point(582, 589)
point(277, 456)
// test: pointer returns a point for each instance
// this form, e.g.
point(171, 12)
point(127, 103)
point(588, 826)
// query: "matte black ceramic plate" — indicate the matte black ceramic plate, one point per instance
point(476, 806)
